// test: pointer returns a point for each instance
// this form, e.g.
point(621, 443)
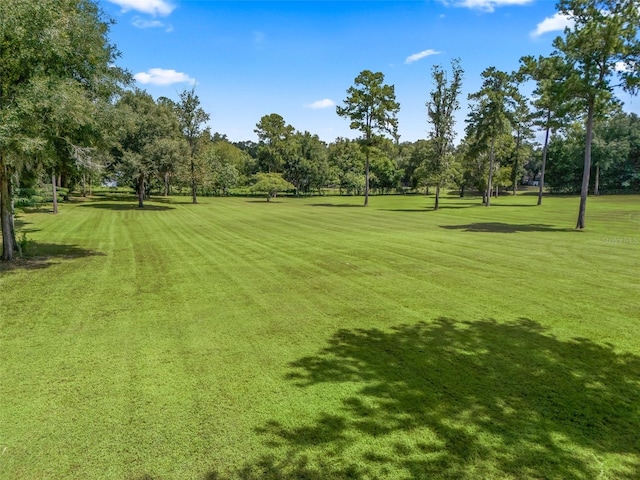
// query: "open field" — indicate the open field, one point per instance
point(312, 338)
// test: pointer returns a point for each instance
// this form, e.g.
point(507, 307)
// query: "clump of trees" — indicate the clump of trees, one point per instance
point(615, 156)
point(70, 117)
point(57, 81)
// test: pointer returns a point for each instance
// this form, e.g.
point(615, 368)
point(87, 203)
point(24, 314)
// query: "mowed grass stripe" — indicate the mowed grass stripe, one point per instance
point(163, 346)
point(495, 261)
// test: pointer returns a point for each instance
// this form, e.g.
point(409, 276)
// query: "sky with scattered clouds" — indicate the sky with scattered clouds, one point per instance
point(297, 58)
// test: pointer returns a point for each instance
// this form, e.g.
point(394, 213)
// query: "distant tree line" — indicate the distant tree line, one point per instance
point(615, 156)
point(71, 119)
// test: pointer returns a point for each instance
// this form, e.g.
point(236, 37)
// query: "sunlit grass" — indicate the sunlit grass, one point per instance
point(314, 338)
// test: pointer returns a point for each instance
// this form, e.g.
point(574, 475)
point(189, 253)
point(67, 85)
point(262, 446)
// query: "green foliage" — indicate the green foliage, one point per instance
point(25, 244)
point(346, 159)
point(492, 117)
point(270, 184)
point(385, 174)
point(307, 166)
point(492, 107)
point(230, 154)
point(28, 197)
point(300, 157)
point(615, 153)
point(274, 148)
point(225, 177)
point(372, 109)
point(371, 106)
point(148, 140)
point(442, 104)
point(604, 33)
point(602, 44)
point(57, 72)
point(192, 119)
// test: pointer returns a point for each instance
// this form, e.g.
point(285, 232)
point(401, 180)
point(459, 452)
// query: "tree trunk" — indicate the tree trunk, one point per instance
point(545, 149)
point(461, 191)
point(491, 160)
point(587, 166)
point(141, 191)
point(516, 164)
point(166, 184)
point(8, 234)
point(193, 182)
point(596, 189)
point(497, 191)
point(16, 245)
point(55, 193)
point(437, 204)
point(366, 179)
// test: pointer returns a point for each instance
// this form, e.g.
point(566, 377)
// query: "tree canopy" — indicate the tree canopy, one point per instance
point(603, 44)
point(53, 54)
point(372, 109)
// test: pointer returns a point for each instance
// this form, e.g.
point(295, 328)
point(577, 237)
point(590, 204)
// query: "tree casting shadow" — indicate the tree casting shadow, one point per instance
point(498, 227)
point(457, 399)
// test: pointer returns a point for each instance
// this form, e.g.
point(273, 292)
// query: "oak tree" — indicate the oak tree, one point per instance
point(57, 45)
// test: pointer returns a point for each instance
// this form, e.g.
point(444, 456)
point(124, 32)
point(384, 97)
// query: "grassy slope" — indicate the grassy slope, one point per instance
point(311, 338)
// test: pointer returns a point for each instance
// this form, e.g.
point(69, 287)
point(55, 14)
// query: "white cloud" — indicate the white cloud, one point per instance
point(324, 103)
point(624, 67)
point(420, 55)
point(161, 76)
point(485, 5)
point(144, 23)
point(152, 7)
point(557, 22)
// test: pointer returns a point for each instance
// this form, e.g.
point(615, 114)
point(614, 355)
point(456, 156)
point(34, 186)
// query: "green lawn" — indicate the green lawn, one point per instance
point(313, 338)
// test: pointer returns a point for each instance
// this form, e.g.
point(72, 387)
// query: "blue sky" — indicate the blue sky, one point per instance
point(297, 58)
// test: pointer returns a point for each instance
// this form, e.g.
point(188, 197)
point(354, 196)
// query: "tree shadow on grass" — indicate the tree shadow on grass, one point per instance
point(126, 206)
point(42, 255)
point(461, 399)
point(517, 205)
point(498, 227)
point(21, 227)
point(456, 206)
point(338, 205)
point(37, 209)
point(173, 201)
